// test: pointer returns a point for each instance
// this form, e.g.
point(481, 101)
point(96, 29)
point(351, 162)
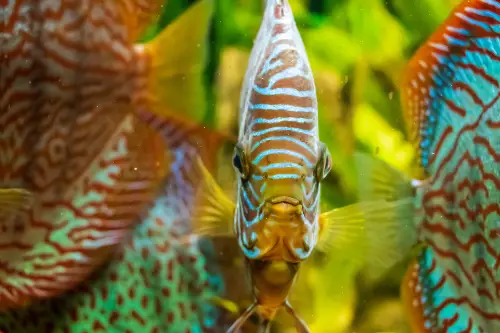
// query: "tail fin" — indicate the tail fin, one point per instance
point(177, 61)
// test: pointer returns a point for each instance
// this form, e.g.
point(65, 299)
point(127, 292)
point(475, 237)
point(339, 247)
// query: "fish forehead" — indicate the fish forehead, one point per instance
point(279, 95)
point(452, 96)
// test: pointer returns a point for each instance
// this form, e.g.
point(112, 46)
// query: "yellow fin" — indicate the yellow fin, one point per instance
point(178, 56)
point(378, 234)
point(391, 234)
point(226, 304)
point(342, 231)
point(378, 180)
point(14, 199)
point(242, 319)
point(213, 210)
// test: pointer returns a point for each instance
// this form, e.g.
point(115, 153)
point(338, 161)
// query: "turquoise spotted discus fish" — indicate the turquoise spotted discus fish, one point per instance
point(76, 165)
point(450, 97)
point(156, 281)
point(280, 163)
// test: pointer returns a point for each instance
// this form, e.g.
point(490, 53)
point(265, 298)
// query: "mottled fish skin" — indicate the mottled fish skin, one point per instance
point(428, 294)
point(71, 80)
point(450, 96)
point(279, 135)
point(157, 282)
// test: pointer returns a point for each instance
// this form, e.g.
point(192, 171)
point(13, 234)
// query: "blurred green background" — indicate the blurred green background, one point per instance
point(358, 50)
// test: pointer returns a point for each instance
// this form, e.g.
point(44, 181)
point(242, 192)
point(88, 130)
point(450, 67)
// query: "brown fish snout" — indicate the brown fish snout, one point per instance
point(282, 206)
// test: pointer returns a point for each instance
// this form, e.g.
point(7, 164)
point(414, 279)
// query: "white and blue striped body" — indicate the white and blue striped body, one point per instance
point(279, 140)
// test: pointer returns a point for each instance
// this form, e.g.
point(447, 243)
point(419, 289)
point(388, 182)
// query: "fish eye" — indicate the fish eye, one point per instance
point(240, 162)
point(324, 164)
point(237, 163)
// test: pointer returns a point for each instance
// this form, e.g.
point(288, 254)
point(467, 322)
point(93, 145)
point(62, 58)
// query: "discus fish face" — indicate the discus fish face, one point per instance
point(278, 195)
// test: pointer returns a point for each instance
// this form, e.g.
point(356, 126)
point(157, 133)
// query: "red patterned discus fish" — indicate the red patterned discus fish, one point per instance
point(155, 282)
point(451, 103)
point(71, 82)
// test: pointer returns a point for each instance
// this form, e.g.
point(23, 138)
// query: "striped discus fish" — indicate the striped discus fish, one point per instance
point(450, 97)
point(280, 163)
point(76, 165)
point(156, 283)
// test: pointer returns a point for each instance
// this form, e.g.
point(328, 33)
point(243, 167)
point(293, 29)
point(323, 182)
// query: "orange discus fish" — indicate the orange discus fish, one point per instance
point(76, 164)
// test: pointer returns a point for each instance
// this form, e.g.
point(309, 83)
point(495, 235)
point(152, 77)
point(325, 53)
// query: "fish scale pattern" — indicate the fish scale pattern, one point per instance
point(157, 282)
point(453, 114)
point(66, 134)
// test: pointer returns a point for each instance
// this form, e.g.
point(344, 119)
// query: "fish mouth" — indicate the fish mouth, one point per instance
point(282, 206)
point(284, 199)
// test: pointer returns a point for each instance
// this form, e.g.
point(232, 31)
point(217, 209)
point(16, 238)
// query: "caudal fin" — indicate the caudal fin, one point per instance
point(178, 57)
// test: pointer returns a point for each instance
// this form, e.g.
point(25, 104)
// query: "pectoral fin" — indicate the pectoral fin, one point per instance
point(213, 210)
point(226, 304)
point(342, 231)
point(376, 233)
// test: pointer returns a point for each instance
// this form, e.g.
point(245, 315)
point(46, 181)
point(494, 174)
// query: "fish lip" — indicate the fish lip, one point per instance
point(284, 199)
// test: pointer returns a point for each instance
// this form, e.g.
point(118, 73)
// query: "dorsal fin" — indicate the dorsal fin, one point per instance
point(139, 14)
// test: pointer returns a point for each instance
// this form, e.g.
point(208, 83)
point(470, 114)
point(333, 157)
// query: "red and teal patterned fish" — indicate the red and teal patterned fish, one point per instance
point(155, 282)
point(450, 97)
point(76, 164)
point(280, 164)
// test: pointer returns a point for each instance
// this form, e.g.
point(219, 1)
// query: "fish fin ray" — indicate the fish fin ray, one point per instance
point(390, 232)
point(178, 55)
point(380, 231)
point(213, 210)
point(342, 229)
point(378, 180)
